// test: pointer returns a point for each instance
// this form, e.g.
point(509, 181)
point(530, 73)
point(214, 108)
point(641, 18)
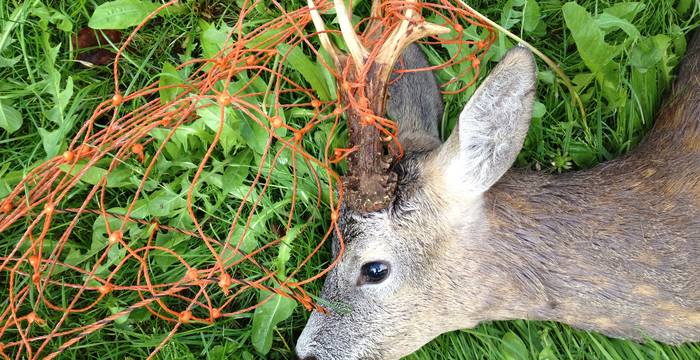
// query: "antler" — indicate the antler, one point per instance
point(370, 185)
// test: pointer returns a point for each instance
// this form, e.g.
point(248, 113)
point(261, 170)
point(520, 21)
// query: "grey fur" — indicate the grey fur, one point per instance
point(613, 249)
point(414, 100)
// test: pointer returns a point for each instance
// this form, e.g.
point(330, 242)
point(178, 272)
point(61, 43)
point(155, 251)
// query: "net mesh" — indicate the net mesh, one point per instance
point(246, 88)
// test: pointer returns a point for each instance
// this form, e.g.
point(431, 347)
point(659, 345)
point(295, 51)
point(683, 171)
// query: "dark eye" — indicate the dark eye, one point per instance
point(373, 272)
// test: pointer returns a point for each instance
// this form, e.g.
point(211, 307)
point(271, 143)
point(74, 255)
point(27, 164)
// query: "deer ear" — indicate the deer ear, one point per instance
point(414, 102)
point(492, 126)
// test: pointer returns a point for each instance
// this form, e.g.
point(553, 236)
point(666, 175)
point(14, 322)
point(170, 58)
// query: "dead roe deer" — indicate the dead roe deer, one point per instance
point(613, 249)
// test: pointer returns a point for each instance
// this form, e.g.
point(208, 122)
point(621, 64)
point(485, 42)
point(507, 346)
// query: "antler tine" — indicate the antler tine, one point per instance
point(352, 41)
point(370, 184)
point(406, 33)
point(376, 11)
point(321, 29)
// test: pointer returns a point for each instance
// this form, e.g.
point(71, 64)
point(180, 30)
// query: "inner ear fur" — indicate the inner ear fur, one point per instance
point(492, 126)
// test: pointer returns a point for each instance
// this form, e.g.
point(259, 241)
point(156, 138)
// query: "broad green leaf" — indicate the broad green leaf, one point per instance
point(625, 10)
point(546, 76)
point(248, 242)
point(122, 319)
point(538, 110)
point(51, 140)
point(169, 79)
point(258, 223)
point(91, 175)
point(60, 96)
point(184, 136)
point(7, 27)
point(582, 80)
point(169, 240)
point(531, 15)
point(5, 62)
point(266, 317)
point(10, 118)
point(240, 191)
point(582, 154)
point(55, 115)
point(5, 181)
point(217, 352)
point(121, 14)
point(165, 202)
point(212, 39)
point(608, 22)
point(140, 314)
point(285, 250)
point(50, 65)
point(115, 255)
point(680, 43)
point(139, 211)
point(247, 85)
point(510, 16)
point(53, 16)
point(229, 350)
point(119, 177)
point(547, 354)
point(211, 116)
point(265, 38)
point(237, 171)
point(100, 235)
point(513, 348)
point(254, 135)
point(590, 40)
point(248, 238)
point(63, 96)
point(74, 257)
point(649, 51)
point(595, 52)
point(301, 63)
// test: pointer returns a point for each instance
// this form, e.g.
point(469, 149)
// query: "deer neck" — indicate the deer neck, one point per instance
point(593, 250)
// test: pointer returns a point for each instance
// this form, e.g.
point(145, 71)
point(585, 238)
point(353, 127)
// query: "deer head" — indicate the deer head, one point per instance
point(463, 240)
point(414, 269)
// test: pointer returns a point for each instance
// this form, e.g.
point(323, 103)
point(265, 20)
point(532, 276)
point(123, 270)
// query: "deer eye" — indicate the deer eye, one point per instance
point(373, 272)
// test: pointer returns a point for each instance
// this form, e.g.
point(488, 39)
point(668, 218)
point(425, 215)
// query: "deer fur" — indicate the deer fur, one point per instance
point(613, 249)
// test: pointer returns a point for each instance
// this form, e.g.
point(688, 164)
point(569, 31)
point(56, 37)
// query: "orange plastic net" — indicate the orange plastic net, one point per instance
point(131, 136)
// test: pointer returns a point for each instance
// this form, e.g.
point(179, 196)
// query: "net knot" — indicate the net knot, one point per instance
point(104, 289)
point(276, 122)
point(34, 261)
point(68, 156)
point(137, 149)
point(341, 153)
point(6, 207)
point(185, 316)
point(117, 100)
point(32, 318)
point(225, 283)
point(114, 237)
point(224, 99)
point(215, 314)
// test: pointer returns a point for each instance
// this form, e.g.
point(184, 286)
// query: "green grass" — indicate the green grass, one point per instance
point(619, 111)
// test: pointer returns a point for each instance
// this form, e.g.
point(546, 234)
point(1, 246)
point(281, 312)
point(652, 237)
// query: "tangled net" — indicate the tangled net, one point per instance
point(72, 194)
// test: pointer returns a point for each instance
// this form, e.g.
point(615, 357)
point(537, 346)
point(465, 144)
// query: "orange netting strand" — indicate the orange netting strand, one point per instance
point(205, 293)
